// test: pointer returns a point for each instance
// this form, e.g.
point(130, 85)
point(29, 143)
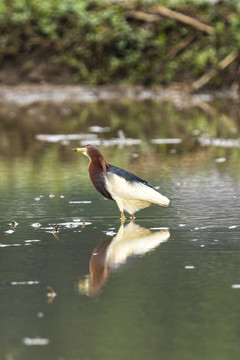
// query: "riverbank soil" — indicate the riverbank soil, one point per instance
point(132, 43)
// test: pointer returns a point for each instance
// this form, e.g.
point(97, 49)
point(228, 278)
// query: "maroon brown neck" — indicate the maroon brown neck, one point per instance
point(97, 163)
point(98, 170)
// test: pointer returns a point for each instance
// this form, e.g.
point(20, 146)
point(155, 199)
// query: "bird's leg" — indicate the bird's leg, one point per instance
point(122, 217)
point(132, 217)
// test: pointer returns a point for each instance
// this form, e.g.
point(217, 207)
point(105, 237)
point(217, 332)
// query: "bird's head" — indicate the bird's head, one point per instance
point(90, 151)
point(82, 150)
point(94, 155)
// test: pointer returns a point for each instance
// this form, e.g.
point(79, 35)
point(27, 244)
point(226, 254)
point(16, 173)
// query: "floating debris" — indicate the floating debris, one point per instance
point(66, 111)
point(37, 198)
point(56, 231)
point(206, 140)
point(9, 245)
point(36, 225)
point(56, 228)
point(220, 160)
point(25, 95)
point(135, 155)
point(80, 202)
point(113, 142)
point(110, 233)
point(159, 228)
point(31, 241)
point(64, 138)
point(75, 224)
point(31, 282)
point(196, 132)
point(50, 294)
point(35, 341)
point(71, 225)
point(10, 231)
point(232, 227)
point(236, 286)
point(13, 224)
point(51, 196)
point(189, 267)
point(99, 129)
point(166, 141)
point(83, 224)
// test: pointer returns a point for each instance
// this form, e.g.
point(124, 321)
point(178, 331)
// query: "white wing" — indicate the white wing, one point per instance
point(121, 188)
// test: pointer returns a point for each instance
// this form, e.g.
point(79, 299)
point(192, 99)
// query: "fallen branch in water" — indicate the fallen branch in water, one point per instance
point(206, 140)
point(203, 80)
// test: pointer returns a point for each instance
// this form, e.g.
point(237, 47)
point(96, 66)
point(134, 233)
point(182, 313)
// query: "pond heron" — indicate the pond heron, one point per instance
point(130, 192)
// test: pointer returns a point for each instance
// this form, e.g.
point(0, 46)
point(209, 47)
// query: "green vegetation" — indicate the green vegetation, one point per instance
point(99, 42)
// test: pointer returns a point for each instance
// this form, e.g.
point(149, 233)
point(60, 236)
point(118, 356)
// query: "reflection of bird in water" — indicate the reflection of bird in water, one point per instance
point(130, 192)
point(131, 240)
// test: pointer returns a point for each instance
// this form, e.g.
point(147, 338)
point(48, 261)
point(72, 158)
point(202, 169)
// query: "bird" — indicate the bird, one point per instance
point(130, 192)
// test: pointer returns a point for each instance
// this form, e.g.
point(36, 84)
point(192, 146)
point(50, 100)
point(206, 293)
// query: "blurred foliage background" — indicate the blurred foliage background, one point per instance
point(127, 42)
point(27, 161)
point(151, 43)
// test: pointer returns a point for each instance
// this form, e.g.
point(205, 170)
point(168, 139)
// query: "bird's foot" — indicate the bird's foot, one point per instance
point(122, 218)
point(132, 217)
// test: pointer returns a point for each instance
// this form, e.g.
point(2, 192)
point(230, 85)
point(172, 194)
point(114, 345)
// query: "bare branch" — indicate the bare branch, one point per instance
point(181, 45)
point(141, 15)
point(164, 11)
point(198, 84)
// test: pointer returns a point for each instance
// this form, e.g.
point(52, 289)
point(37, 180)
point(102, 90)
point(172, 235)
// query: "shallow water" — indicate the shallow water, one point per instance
point(166, 286)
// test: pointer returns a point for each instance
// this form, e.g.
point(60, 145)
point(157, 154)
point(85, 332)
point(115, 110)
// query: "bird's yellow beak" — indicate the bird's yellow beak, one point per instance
point(81, 150)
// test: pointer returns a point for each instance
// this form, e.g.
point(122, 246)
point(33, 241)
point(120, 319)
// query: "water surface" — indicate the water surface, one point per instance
point(166, 286)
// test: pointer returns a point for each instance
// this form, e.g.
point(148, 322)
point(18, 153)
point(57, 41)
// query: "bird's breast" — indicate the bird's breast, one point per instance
point(99, 181)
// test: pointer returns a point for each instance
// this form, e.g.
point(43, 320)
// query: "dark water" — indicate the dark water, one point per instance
point(164, 287)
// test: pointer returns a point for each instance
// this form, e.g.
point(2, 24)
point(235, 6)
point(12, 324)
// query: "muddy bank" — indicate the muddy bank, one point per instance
point(151, 43)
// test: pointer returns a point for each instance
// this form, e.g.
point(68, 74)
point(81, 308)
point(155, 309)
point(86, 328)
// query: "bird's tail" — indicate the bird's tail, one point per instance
point(161, 199)
point(153, 196)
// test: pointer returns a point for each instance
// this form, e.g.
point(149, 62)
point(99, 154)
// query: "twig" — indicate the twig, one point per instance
point(181, 45)
point(203, 80)
point(164, 11)
point(141, 15)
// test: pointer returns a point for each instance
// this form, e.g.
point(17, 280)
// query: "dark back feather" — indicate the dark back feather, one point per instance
point(127, 175)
